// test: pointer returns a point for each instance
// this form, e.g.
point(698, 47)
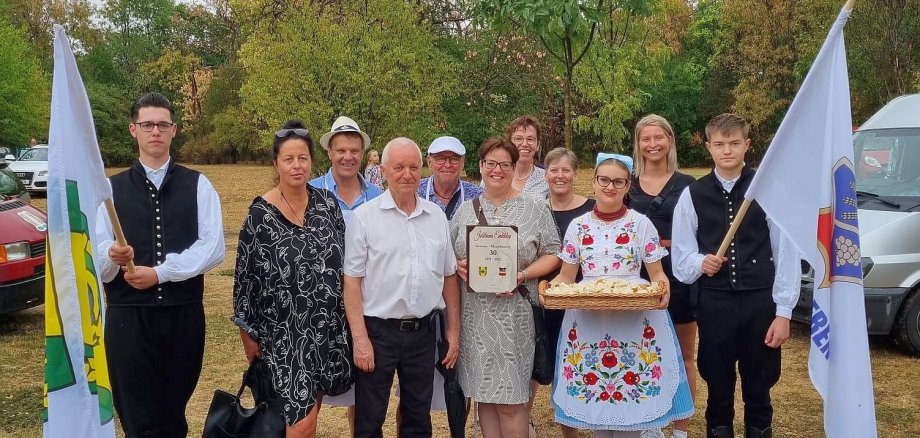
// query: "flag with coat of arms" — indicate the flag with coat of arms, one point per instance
point(807, 185)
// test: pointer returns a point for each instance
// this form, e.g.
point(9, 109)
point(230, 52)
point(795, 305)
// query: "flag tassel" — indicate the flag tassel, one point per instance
point(116, 227)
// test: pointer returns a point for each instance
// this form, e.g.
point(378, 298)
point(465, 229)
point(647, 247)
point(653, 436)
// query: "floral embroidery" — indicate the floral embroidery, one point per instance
point(611, 371)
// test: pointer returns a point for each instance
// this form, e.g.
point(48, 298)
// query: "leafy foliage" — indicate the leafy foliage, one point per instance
point(364, 59)
point(24, 98)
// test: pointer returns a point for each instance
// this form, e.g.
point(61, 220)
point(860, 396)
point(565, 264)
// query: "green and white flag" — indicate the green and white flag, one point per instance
point(78, 395)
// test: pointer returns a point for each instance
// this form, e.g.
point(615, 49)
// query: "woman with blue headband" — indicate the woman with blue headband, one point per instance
point(619, 373)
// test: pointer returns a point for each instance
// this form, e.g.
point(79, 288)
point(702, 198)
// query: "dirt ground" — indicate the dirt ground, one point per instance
point(798, 409)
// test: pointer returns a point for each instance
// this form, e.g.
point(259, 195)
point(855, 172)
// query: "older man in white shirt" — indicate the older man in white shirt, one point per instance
point(399, 270)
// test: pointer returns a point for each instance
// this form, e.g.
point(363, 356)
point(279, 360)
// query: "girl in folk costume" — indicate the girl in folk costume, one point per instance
point(618, 373)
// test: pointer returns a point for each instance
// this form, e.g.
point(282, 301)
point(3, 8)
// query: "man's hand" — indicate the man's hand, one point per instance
point(712, 264)
point(453, 348)
point(462, 269)
point(144, 277)
point(364, 354)
point(121, 255)
point(778, 332)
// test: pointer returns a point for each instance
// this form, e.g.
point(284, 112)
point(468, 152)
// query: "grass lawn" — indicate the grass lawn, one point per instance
point(798, 407)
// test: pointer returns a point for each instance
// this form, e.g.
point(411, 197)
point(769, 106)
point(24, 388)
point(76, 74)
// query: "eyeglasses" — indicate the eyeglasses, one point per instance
point(503, 165)
point(281, 133)
point(148, 126)
point(618, 183)
point(528, 140)
point(453, 159)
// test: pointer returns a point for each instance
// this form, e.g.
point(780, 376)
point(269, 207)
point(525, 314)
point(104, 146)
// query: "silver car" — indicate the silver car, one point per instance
point(887, 155)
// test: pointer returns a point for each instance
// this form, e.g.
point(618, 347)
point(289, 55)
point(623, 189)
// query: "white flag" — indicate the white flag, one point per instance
point(806, 185)
point(78, 395)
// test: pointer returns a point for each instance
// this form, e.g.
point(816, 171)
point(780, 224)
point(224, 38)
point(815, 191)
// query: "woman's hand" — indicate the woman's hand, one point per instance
point(656, 274)
point(665, 297)
point(508, 294)
point(250, 347)
point(462, 269)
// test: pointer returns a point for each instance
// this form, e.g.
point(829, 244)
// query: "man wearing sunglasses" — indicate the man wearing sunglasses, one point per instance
point(155, 322)
point(345, 143)
point(446, 157)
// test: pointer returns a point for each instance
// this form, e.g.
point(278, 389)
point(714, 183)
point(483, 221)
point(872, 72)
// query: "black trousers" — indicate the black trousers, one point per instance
point(154, 356)
point(407, 353)
point(733, 326)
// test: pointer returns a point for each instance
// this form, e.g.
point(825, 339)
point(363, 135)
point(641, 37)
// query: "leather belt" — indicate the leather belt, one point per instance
point(404, 324)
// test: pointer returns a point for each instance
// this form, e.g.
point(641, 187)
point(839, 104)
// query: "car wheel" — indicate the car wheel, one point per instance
point(908, 324)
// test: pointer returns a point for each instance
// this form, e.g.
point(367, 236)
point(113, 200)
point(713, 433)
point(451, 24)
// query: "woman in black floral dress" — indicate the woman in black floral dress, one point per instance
point(288, 285)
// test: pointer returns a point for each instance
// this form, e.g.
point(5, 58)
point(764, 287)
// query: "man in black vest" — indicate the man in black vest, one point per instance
point(746, 298)
point(155, 325)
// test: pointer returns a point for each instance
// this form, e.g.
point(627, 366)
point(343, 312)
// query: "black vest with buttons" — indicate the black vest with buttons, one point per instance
point(750, 257)
point(156, 223)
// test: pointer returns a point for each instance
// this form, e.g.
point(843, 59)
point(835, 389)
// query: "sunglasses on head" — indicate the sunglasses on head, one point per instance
point(281, 133)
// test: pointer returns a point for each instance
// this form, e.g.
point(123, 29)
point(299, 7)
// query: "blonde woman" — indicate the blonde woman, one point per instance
point(656, 187)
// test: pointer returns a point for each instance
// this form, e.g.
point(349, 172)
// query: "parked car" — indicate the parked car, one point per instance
point(6, 156)
point(887, 154)
point(32, 168)
point(22, 247)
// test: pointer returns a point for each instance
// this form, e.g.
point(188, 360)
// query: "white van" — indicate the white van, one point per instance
point(887, 161)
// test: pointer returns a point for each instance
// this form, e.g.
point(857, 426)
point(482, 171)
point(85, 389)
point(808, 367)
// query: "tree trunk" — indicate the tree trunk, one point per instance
point(567, 133)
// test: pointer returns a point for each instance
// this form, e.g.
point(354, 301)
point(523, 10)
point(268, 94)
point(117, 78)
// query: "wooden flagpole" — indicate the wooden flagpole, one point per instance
point(733, 228)
point(116, 227)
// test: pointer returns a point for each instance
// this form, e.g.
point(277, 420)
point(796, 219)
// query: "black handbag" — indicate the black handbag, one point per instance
point(543, 358)
point(227, 418)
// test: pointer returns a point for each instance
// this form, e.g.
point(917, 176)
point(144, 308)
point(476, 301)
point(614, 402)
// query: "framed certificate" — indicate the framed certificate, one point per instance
point(492, 253)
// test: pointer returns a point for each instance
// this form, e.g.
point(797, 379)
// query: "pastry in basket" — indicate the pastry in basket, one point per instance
point(603, 286)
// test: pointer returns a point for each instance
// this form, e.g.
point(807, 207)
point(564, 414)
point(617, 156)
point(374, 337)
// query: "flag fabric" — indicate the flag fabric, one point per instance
point(78, 395)
point(806, 185)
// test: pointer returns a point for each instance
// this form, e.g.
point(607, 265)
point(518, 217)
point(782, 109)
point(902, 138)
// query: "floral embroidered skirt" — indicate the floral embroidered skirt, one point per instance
point(619, 371)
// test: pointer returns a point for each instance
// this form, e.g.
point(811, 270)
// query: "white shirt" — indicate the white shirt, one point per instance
point(687, 261)
point(206, 253)
point(402, 259)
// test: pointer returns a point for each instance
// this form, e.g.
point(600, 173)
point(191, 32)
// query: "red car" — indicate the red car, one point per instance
point(22, 247)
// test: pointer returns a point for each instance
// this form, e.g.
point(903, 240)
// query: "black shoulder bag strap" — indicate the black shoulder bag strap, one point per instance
point(452, 205)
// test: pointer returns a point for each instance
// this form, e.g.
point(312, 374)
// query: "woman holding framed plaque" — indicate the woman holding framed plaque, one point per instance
point(508, 241)
point(618, 372)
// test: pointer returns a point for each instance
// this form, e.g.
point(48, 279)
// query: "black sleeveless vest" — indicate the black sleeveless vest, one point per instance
point(156, 222)
point(750, 257)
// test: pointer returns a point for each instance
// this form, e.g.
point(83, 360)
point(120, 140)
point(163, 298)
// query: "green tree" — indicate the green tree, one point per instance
point(24, 91)
point(566, 28)
point(621, 69)
point(883, 50)
point(771, 61)
point(364, 59)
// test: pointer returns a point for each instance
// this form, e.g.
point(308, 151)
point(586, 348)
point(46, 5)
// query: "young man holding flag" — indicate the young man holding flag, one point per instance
point(155, 322)
point(746, 297)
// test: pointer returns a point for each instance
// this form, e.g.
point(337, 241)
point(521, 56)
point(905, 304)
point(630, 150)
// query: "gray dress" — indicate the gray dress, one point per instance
point(497, 333)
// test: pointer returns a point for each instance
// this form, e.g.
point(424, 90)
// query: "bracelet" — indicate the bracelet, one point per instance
point(524, 273)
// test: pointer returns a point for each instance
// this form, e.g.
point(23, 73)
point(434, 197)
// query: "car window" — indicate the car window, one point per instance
point(888, 161)
point(10, 185)
point(38, 154)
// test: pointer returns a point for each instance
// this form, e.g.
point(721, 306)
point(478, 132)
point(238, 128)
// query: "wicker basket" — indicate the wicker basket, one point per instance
point(641, 300)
